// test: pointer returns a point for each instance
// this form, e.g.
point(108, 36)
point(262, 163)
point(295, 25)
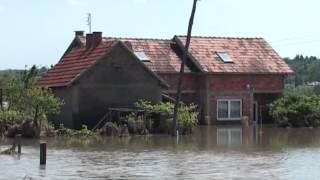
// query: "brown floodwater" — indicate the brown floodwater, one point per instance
point(225, 152)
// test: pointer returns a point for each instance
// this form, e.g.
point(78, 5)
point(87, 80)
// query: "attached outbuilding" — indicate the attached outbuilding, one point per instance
point(99, 75)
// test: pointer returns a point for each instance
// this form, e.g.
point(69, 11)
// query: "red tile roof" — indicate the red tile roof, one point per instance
point(250, 55)
point(72, 64)
point(159, 51)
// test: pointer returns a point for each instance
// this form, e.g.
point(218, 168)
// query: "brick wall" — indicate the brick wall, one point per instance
point(234, 87)
point(190, 81)
point(238, 82)
point(226, 87)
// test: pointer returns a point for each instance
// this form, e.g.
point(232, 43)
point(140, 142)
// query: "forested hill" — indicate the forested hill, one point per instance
point(17, 73)
point(306, 68)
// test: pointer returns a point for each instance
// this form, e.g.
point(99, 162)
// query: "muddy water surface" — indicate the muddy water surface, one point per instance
point(226, 152)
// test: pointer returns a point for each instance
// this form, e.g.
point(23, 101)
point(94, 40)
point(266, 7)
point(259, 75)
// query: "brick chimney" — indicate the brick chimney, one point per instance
point(89, 38)
point(79, 33)
point(96, 38)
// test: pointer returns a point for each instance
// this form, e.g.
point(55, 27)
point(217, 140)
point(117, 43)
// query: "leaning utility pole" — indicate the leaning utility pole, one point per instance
point(184, 58)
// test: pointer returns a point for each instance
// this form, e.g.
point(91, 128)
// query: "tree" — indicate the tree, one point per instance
point(181, 73)
point(306, 69)
point(314, 71)
point(25, 100)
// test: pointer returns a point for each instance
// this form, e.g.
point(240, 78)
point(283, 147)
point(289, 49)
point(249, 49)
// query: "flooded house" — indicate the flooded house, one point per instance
point(228, 78)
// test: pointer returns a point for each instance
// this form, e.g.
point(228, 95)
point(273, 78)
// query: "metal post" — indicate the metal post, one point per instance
point(43, 153)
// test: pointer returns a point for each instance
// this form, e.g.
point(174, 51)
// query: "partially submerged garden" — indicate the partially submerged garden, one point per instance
point(26, 108)
point(299, 107)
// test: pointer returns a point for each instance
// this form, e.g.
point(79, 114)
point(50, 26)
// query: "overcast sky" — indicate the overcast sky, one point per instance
point(39, 31)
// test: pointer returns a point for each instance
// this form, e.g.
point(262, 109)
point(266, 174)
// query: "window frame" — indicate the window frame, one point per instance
point(141, 55)
point(224, 57)
point(229, 100)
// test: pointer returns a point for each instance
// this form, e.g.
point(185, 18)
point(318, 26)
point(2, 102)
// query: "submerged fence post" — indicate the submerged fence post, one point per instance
point(43, 153)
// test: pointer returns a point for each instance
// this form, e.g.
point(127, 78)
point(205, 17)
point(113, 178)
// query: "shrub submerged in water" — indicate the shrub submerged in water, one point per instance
point(296, 110)
point(84, 132)
point(187, 115)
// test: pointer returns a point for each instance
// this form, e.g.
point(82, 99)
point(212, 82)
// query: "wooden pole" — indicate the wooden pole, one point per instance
point(43, 153)
point(184, 58)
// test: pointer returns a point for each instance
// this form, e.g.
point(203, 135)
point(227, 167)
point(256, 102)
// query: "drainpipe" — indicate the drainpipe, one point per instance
point(251, 104)
point(207, 102)
point(251, 93)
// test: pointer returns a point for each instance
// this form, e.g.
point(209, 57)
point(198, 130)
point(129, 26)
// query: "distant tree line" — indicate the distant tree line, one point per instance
point(306, 68)
point(19, 73)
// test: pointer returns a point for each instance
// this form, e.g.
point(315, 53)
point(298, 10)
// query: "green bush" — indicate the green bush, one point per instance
point(187, 114)
point(162, 107)
point(84, 132)
point(26, 100)
point(296, 110)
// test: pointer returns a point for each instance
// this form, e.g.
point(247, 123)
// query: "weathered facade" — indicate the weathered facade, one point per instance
point(229, 78)
point(117, 79)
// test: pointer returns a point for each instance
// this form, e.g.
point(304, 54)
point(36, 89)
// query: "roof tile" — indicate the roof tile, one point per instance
point(250, 55)
point(72, 64)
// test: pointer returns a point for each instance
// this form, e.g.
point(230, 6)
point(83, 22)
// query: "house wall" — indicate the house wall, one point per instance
point(65, 115)
point(238, 82)
point(119, 80)
point(194, 90)
point(264, 99)
point(235, 87)
point(190, 86)
point(205, 90)
point(190, 81)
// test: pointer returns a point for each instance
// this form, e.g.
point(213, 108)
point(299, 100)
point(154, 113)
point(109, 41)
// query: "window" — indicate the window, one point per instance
point(141, 55)
point(224, 56)
point(229, 109)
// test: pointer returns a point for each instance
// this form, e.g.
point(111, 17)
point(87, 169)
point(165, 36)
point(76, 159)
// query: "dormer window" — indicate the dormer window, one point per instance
point(141, 55)
point(224, 56)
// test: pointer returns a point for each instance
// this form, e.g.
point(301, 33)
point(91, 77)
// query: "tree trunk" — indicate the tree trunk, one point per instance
point(35, 119)
point(184, 58)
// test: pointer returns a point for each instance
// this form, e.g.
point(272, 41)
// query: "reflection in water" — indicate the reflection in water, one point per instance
point(223, 152)
point(229, 136)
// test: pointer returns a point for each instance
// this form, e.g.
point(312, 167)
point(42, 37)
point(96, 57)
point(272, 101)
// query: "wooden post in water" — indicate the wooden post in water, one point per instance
point(43, 153)
point(18, 137)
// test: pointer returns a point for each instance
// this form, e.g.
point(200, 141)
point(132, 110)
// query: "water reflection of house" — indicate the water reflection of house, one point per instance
point(228, 78)
point(229, 136)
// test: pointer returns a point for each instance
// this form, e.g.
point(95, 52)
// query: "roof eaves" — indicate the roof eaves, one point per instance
point(261, 73)
point(276, 53)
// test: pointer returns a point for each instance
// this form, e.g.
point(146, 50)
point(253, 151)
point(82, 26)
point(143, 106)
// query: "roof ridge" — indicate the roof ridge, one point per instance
point(136, 38)
point(221, 37)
